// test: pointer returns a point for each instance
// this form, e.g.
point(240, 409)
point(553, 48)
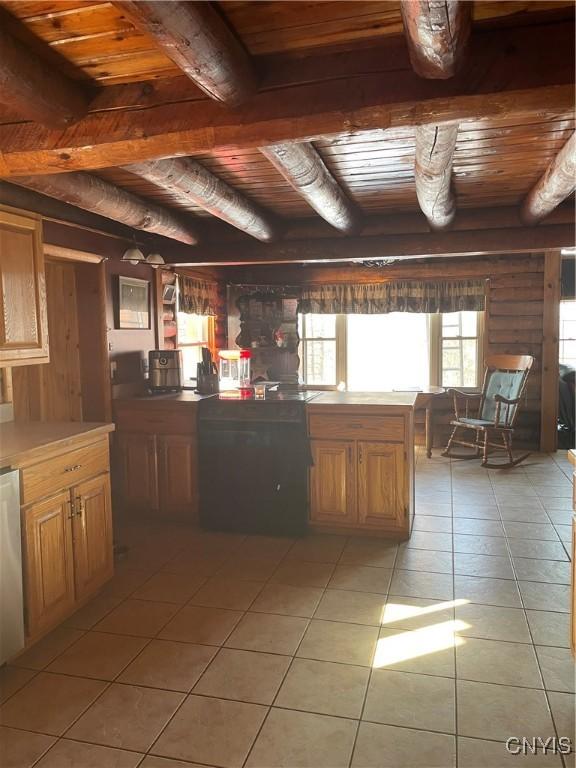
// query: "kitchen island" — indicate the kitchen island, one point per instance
point(362, 478)
point(362, 445)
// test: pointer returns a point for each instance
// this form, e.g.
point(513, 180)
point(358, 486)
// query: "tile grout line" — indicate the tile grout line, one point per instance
point(544, 690)
point(293, 657)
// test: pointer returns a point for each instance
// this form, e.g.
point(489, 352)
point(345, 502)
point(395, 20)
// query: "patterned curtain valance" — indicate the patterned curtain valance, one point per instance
point(197, 297)
point(396, 296)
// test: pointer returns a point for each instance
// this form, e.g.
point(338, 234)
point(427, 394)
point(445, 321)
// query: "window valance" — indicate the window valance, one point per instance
point(197, 297)
point(394, 296)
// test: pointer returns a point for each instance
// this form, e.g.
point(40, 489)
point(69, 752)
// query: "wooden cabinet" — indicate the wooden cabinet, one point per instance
point(381, 496)
point(137, 459)
point(178, 486)
point(67, 537)
point(362, 474)
point(49, 572)
point(92, 535)
point(157, 458)
point(333, 482)
point(23, 316)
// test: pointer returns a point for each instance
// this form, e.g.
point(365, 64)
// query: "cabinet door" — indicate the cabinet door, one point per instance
point(177, 475)
point(332, 482)
point(23, 317)
point(381, 495)
point(92, 535)
point(48, 571)
point(139, 469)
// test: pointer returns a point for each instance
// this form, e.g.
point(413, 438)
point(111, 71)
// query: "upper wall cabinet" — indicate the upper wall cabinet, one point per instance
point(23, 318)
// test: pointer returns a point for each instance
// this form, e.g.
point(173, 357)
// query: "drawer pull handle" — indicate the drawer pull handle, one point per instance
point(73, 468)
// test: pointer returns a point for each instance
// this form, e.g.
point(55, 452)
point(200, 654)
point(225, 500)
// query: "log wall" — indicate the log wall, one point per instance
point(513, 318)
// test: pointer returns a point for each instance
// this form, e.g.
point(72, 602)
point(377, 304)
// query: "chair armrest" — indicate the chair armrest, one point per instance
point(456, 393)
point(459, 393)
point(502, 399)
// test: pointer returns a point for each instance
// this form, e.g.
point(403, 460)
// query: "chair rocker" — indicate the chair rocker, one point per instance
point(504, 385)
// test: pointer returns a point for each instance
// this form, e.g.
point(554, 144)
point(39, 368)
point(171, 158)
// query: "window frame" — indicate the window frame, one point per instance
point(340, 349)
point(434, 349)
point(210, 336)
point(561, 337)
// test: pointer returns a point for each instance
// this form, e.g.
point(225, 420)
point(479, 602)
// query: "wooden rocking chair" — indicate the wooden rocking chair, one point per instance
point(504, 384)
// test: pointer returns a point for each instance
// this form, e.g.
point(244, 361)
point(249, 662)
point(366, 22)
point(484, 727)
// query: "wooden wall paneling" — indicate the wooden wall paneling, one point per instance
point(550, 351)
point(94, 364)
point(53, 392)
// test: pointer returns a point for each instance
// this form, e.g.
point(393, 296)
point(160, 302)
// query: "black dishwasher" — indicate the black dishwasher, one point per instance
point(253, 458)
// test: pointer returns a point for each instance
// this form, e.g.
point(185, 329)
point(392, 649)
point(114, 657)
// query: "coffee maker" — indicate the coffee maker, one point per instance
point(165, 370)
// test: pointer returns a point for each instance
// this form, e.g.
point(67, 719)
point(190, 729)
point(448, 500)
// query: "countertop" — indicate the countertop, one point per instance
point(398, 399)
point(21, 441)
point(405, 399)
point(572, 456)
point(185, 396)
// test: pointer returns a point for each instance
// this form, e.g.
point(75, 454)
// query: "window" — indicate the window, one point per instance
point(396, 351)
point(193, 334)
point(568, 333)
point(320, 358)
point(459, 349)
point(387, 352)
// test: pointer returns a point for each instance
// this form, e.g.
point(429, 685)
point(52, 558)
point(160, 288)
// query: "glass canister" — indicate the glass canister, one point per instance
point(234, 368)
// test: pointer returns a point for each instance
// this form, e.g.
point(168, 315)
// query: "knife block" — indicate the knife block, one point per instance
point(207, 384)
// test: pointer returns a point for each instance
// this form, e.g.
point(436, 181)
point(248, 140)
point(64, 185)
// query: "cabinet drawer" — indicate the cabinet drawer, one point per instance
point(176, 421)
point(349, 428)
point(48, 477)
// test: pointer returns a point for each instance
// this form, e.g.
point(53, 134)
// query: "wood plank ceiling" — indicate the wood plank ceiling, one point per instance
point(495, 160)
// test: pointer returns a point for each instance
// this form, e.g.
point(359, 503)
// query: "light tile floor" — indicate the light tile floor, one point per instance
point(231, 651)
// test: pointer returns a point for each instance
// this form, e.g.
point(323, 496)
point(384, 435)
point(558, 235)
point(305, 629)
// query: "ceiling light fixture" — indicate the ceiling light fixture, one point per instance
point(133, 255)
point(155, 260)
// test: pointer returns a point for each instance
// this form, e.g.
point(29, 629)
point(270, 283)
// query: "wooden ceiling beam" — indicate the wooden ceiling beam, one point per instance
point(93, 194)
point(36, 90)
point(435, 146)
point(198, 40)
point(193, 184)
point(557, 183)
point(437, 32)
point(322, 95)
point(303, 168)
point(402, 246)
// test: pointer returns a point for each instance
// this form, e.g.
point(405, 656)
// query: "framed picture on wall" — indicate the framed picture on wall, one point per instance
point(133, 303)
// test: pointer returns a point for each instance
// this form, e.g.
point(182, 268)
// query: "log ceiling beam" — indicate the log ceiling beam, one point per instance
point(198, 40)
point(34, 89)
point(84, 190)
point(437, 33)
point(194, 184)
point(557, 183)
point(319, 96)
point(304, 169)
point(435, 146)
point(402, 246)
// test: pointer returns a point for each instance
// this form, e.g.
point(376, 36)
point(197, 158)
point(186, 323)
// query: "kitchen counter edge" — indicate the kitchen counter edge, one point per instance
point(22, 442)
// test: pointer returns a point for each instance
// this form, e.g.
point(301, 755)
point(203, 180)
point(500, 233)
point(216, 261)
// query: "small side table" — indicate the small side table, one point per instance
point(425, 399)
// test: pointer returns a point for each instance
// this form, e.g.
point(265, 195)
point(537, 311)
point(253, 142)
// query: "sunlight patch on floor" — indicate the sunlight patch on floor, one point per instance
point(397, 611)
point(419, 642)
